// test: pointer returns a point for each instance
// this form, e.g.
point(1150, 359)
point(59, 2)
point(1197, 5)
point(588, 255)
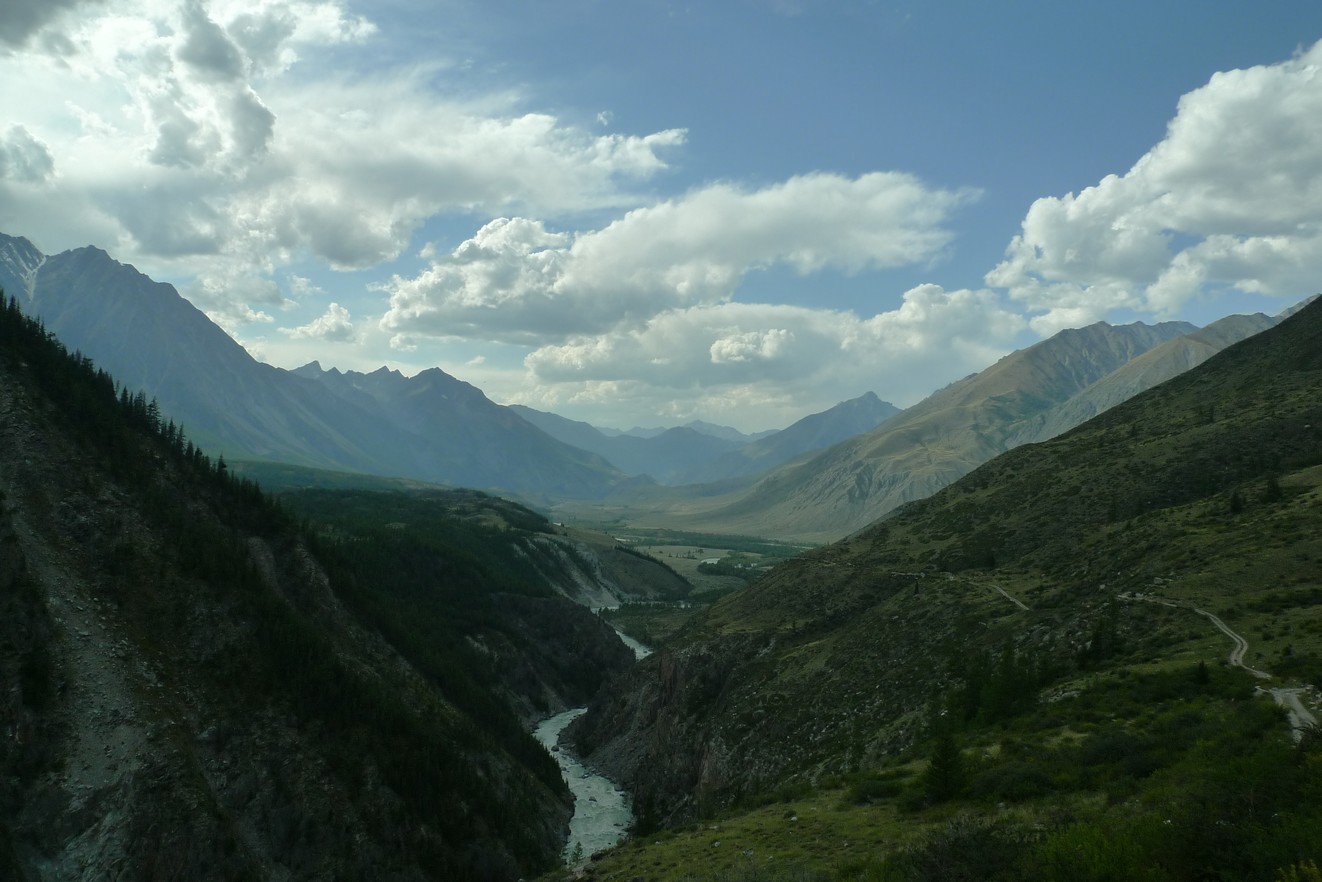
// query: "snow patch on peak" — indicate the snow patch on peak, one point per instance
point(23, 260)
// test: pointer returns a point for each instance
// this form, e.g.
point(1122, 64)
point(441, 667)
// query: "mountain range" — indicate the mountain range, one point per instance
point(820, 479)
point(698, 453)
point(1028, 396)
point(431, 427)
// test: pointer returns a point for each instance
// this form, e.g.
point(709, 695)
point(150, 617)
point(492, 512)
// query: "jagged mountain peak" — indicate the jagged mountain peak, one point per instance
point(433, 427)
point(92, 252)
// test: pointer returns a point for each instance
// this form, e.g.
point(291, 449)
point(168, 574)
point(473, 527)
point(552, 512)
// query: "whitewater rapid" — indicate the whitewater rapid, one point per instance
point(602, 811)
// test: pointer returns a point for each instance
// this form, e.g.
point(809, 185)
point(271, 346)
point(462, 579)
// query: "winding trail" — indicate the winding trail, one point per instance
point(1301, 718)
point(1288, 697)
point(1017, 602)
point(1241, 645)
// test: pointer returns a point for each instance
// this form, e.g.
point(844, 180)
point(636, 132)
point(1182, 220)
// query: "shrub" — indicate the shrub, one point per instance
point(1012, 782)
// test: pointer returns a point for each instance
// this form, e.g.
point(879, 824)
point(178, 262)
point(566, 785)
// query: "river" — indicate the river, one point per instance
point(602, 811)
point(639, 650)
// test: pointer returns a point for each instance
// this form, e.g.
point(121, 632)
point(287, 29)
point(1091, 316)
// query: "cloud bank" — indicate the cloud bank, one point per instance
point(214, 139)
point(729, 358)
point(335, 326)
point(230, 142)
point(1231, 197)
point(515, 281)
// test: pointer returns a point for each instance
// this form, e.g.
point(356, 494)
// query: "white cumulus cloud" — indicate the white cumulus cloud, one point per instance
point(24, 159)
point(1232, 196)
point(784, 353)
point(515, 281)
point(214, 138)
point(748, 346)
point(336, 326)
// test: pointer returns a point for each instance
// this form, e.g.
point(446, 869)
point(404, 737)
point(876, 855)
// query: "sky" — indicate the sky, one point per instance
point(647, 213)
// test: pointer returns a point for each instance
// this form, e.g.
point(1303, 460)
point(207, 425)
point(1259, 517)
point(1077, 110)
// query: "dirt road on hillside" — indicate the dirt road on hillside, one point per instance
point(1241, 646)
point(1301, 718)
point(1017, 602)
point(1290, 697)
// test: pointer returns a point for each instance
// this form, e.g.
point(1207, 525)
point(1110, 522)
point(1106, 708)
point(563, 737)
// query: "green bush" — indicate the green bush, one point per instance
point(1012, 782)
point(873, 788)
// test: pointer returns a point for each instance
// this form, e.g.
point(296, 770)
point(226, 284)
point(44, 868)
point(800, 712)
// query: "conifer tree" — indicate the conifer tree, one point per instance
point(944, 777)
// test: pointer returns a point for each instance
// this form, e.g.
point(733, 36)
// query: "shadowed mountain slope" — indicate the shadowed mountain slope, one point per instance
point(196, 688)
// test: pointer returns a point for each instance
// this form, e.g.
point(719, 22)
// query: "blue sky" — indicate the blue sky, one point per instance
point(653, 212)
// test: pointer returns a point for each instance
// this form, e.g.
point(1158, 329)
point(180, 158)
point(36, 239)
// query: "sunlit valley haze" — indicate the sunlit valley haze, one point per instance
point(650, 213)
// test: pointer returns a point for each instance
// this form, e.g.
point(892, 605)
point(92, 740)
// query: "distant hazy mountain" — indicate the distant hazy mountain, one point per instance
point(1153, 367)
point(152, 339)
point(919, 451)
point(814, 432)
point(431, 427)
point(702, 452)
point(663, 456)
point(725, 433)
point(458, 435)
point(582, 435)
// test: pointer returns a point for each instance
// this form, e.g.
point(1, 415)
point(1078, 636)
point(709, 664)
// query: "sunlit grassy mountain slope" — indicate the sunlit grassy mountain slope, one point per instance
point(823, 496)
point(1005, 611)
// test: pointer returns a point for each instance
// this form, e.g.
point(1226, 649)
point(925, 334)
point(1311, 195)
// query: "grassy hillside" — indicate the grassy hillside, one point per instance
point(1021, 677)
